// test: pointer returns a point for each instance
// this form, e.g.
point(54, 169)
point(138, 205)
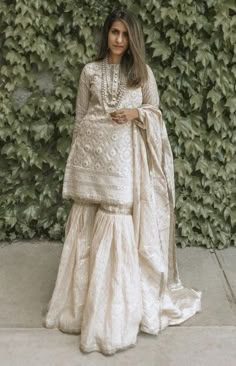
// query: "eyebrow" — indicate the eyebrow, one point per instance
point(113, 28)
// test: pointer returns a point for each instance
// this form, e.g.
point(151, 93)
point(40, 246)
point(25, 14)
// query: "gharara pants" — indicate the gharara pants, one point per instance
point(97, 291)
point(105, 289)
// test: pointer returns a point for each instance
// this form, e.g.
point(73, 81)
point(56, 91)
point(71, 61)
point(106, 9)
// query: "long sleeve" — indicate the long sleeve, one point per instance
point(82, 100)
point(150, 98)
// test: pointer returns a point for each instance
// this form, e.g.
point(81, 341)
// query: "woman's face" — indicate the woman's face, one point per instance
point(118, 39)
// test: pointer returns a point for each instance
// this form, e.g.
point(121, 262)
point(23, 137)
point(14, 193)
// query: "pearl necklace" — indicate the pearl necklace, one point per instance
point(111, 95)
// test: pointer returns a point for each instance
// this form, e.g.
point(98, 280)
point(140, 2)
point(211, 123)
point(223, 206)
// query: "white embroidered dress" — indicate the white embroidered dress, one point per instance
point(118, 273)
point(100, 164)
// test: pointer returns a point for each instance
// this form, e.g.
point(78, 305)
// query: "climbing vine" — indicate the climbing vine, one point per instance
point(191, 48)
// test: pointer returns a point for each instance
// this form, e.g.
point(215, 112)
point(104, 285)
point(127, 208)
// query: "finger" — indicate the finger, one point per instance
point(116, 120)
point(122, 113)
point(113, 114)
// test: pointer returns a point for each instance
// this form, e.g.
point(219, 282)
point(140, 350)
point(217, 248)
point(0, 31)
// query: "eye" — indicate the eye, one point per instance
point(114, 31)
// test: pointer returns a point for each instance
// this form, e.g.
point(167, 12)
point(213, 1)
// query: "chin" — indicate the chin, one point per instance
point(118, 52)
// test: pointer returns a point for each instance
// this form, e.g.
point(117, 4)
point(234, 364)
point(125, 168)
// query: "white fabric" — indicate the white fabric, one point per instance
point(112, 310)
point(165, 300)
point(99, 167)
point(106, 289)
point(118, 272)
point(65, 308)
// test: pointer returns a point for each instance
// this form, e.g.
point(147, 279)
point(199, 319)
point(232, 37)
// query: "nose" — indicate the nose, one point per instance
point(119, 38)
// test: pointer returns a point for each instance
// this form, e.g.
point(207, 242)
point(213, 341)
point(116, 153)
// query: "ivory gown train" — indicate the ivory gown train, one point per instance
point(118, 273)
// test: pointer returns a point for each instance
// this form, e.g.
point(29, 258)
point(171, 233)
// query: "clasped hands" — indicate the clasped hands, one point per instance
point(124, 115)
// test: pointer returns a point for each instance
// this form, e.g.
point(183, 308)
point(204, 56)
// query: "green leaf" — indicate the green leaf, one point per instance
point(8, 149)
point(31, 212)
point(162, 50)
point(214, 96)
point(196, 100)
point(43, 131)
point(231, 103)
point(173, 35)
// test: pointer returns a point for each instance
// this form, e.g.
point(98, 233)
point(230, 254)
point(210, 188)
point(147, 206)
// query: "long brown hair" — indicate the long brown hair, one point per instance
point(133, 61)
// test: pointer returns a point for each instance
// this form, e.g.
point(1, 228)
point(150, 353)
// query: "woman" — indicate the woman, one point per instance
point(118, 273)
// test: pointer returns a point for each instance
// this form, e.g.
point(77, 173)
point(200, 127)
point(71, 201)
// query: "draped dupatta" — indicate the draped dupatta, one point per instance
point(165, 300)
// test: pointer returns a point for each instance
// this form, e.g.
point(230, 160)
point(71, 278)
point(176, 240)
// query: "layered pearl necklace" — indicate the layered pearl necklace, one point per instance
point(111, 93)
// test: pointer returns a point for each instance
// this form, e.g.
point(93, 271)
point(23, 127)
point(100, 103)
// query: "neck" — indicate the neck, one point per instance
point(113, 59)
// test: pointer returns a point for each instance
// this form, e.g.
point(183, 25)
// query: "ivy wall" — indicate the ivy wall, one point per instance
point(191, 48)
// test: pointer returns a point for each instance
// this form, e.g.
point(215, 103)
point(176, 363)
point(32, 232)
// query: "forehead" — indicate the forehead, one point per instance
point(118, 24)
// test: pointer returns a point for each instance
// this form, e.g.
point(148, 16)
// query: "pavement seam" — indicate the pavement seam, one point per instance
point(226, 278)
point(176, 327)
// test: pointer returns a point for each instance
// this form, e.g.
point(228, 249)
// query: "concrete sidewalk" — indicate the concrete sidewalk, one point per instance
point(28, 270)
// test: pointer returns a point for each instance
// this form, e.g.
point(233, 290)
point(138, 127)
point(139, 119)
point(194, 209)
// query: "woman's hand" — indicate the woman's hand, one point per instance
point(124, 115)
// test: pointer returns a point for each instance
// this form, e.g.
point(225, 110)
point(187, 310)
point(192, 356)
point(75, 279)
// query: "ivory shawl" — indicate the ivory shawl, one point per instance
point(154, 225)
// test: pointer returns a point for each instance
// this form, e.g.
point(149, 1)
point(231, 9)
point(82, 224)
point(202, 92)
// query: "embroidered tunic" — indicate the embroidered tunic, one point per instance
point(100, 164)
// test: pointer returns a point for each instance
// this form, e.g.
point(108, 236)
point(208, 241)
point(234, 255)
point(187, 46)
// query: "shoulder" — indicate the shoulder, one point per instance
point(89, 71)
point(149, 71)
point(150, 77)
point(91, 67)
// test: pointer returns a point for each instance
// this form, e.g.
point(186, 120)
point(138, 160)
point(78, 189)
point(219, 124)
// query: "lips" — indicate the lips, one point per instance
point(118, 46)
